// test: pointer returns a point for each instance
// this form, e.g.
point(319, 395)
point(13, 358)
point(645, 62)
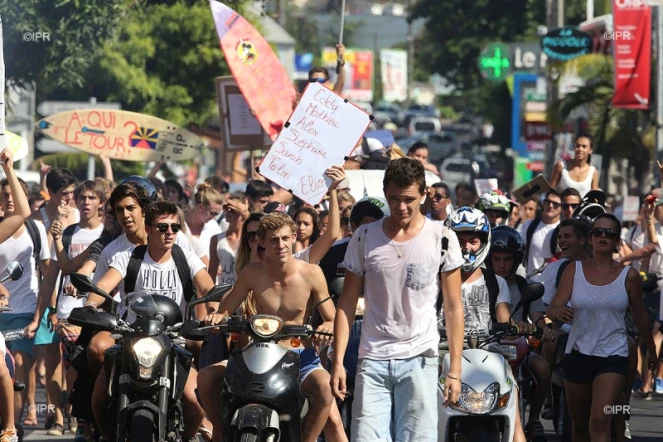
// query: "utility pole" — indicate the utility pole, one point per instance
point(90, 157)
point(410, 53)
point(554, 20)
point(281, 5)
point(659, 84)
point(590, 9)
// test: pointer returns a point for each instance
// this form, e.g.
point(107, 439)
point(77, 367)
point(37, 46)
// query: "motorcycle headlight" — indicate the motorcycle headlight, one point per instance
point(474, 402)
point(146, 351)
point(266, 326)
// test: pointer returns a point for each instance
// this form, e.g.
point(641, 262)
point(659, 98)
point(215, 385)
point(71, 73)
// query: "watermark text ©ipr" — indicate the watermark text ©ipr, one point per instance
point(617, 409)
point(37, 37)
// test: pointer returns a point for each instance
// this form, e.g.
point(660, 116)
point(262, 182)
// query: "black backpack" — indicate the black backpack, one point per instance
point(183, 270)
point(494, 290)
point(560, 272)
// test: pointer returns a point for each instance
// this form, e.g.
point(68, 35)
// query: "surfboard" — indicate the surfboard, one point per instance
point(259, 73)
point(17, 145)
point(121, 135)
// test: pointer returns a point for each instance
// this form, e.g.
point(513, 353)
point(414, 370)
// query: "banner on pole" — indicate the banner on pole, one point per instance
point(393, 63)
point(631, 38)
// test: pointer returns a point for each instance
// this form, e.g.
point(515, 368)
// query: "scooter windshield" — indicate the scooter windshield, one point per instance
point(141, 304)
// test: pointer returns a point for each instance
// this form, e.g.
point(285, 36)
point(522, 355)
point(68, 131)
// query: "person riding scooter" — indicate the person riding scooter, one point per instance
point(506, 252)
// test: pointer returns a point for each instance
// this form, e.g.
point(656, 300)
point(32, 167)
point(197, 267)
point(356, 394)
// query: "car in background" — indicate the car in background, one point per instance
point(457, 169)
point(385, 112)
point(418, 110)
point(440, 145)
point(424, 124)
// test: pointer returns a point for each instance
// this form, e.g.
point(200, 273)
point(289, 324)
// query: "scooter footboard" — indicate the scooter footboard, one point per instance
point(257, 417)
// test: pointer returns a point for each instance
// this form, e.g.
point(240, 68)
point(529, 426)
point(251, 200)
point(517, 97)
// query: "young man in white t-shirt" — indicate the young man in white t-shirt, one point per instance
point(538, 249)
point(400, 262)
point(158, 275)
point(90, 197)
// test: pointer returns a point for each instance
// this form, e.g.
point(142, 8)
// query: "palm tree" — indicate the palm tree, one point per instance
point(618, 133)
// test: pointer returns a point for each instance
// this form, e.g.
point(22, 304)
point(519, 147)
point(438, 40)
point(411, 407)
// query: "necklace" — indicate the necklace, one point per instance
point(393, 244)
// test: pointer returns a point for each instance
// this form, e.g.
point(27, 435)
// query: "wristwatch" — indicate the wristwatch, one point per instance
point(51, 310)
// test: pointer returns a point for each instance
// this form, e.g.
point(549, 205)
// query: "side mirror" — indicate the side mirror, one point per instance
point(336, 287)
point(14, 271)
point(215, 294)
point(190, 330)
point(530, 294)
point(85, 285)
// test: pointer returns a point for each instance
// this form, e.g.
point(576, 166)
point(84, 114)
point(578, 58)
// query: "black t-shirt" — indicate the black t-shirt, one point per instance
point(331, 262)
point(98, 246)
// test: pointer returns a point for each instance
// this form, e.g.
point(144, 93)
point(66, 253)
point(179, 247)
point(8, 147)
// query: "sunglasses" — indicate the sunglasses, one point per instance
point(163, 227)
point(345, 220)
point(555, 205)
point(251, 236)
point(319, 80)
point(597, 232)
point(437, 197)
point(566, 206)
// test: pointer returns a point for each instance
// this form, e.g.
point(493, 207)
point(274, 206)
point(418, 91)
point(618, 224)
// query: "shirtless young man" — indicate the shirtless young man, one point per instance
point(284, 287)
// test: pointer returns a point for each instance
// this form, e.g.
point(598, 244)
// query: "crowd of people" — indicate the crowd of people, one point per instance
point(419, 264)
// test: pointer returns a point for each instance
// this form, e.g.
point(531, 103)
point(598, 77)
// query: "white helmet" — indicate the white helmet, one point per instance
point(470, 220)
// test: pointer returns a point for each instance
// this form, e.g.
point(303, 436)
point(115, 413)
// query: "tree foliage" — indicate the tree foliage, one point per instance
point(76, 33)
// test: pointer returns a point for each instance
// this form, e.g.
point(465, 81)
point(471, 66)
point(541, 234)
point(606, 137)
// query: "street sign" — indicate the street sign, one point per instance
point(537, 131)
point(494, 62)
point(47, 108)
point(566, 43)
point(46, 145)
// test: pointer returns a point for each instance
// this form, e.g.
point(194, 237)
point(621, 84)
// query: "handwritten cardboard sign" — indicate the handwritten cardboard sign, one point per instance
point(631, 208)
point(532, 189)
point(321, 132)
point(485, 185)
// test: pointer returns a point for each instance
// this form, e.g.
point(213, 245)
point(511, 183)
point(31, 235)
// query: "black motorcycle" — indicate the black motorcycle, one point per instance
point(148, 366)
point(261, 397)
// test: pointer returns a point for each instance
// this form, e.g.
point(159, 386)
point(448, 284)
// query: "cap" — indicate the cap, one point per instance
point(375, 207)
point(275, 206)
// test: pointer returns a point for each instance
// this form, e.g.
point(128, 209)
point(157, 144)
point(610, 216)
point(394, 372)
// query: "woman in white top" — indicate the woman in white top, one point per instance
point(578, 172)
point(596, 361)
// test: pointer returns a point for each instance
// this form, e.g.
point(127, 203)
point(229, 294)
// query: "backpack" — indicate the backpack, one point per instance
point(377, 160)
point(67, 236)
point(183, 270)
point(494, 290)
point(530, 233)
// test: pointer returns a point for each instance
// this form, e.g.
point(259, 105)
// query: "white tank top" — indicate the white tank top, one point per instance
point(47, 221)
point(583, 187)
point(598, 326)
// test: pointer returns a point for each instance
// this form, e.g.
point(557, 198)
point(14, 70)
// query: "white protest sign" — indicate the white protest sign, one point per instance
point(323, 129)
point(631, 208)
point(485, 185)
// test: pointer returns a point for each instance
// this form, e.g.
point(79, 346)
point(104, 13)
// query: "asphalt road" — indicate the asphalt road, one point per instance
point(646, 422)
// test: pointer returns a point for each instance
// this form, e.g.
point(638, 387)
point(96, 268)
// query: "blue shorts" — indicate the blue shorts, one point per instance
point(309, 361)
point(13, 321)
point(45, 335)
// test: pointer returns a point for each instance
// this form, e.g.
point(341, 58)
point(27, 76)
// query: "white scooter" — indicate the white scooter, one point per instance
point(486, 409)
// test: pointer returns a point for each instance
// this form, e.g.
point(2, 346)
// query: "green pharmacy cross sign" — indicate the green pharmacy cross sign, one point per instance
point(494, 62)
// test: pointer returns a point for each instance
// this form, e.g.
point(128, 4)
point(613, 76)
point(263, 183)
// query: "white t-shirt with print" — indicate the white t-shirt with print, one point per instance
point(227, 260)
point(539, 249)
point(401, 293)
point(122, 244)
point(635, 238)
point(476, 303)
point(156, 278)
point(536, 306)
point(23, 292)
point(80, 241)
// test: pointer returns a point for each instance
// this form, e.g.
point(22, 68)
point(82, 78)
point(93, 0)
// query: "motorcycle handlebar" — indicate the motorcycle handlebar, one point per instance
point(197, 331)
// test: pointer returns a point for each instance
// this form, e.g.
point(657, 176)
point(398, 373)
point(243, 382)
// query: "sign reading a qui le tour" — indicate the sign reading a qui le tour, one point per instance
point(321, 132)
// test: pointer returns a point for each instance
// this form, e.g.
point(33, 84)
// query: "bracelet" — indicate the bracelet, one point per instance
point(453, 377)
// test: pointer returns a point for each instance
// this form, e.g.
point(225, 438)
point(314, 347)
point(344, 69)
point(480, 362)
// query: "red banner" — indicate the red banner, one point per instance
point(631, 37)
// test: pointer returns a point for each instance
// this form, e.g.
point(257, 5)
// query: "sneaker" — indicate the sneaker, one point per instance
point(658, 386)
point(535, 432)
point(627, 432)
point(547, 412)
point(9, 436)
point(642, 395)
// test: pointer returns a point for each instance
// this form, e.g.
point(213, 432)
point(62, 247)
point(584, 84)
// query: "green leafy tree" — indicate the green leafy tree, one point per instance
point(76, 33)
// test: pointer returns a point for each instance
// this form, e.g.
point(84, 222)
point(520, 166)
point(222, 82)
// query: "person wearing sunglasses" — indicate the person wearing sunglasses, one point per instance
point(158, 274)
point(540, 248)
point(321, 75)
point(595, 365)
point(578, 172)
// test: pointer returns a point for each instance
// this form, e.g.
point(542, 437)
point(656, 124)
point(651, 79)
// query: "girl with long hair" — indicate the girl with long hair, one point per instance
point(308, 227)
point(578, 172)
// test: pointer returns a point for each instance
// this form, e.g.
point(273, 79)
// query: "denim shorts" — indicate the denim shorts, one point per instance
point(396, 400)
point(309, 361)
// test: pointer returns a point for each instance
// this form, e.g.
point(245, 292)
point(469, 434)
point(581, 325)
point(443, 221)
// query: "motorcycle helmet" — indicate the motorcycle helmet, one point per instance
point(145, 184)
point(591, 206)
point(507, 239)
point(495, 201)
point(169, 309)
point(470, 220)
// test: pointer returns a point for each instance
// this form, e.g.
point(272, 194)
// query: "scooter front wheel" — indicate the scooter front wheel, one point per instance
point(248, 436)
point(142, 427)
